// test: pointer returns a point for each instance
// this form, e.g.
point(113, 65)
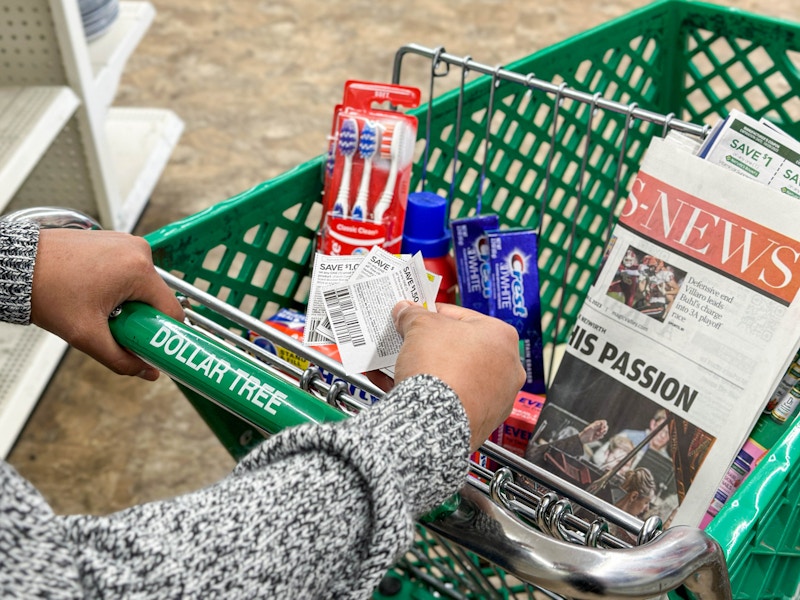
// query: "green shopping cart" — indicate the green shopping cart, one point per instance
point(549, 142)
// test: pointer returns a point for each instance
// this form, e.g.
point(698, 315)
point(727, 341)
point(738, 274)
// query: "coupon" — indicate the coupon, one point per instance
point(328, 271)
point(377, 262)
point(756, 149)
point(360, 314)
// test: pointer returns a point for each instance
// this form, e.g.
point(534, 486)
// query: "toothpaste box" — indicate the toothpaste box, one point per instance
point(292, 323)
point(471, 251)
point(513, 260)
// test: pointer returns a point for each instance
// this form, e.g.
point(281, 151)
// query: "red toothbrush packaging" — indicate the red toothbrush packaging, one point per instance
point(368, 170)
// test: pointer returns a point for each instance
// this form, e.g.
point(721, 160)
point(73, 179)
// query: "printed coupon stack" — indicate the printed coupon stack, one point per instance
point(351, 301)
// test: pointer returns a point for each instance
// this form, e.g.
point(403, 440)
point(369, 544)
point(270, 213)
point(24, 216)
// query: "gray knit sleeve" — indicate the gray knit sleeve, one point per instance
point(18, 243)
point(319, 511)
point(424, 452)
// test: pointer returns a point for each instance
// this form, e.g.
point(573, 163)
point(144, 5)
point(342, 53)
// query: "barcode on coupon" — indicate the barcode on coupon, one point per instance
point(314, 336)
point(343, 317)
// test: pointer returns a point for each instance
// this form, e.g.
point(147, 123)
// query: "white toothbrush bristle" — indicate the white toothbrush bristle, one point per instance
point(397, 143)
point(402, 147)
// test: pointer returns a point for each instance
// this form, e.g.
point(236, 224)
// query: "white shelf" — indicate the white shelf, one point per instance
point(30, 119)
point(109, 53)
point(141, 141)
point(61, 138)
point(28, 357)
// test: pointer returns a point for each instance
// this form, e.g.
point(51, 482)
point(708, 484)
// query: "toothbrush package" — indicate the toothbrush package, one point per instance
point(368, 169)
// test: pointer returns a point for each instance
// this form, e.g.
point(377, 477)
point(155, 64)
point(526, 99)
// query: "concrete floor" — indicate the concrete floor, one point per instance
point(256, 83)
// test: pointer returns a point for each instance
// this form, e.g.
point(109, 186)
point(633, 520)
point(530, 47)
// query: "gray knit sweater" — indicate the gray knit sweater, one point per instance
point(315, 512)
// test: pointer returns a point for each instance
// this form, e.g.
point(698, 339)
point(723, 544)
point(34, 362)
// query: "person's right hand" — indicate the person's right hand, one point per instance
point(476, 355)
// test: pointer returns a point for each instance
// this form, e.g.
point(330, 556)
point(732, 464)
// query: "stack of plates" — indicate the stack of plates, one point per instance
point(98, 16)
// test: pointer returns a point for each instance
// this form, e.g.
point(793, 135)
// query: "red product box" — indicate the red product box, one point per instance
point(515, 432)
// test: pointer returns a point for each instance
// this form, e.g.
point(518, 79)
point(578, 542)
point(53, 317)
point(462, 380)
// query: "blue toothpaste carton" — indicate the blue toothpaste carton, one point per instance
point(513, 256)
point(471, 250)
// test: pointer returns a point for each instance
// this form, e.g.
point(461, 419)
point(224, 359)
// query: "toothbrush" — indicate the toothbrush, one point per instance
point(398, 145)
point(348, 140)
point(330, 159)
point(367, 146)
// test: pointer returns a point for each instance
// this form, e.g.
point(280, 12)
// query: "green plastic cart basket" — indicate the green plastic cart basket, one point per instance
point(548, 142)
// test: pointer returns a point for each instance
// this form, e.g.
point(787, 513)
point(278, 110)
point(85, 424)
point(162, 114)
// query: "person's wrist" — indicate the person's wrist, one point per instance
point(425, 424)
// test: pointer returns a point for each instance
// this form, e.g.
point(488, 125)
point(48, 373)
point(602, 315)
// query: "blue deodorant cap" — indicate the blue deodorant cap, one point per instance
point(426, 229)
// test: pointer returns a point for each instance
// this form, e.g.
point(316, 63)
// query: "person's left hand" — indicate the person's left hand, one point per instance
point(80, 277)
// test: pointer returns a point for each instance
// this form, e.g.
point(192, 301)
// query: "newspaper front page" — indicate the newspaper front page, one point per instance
point(691, 321)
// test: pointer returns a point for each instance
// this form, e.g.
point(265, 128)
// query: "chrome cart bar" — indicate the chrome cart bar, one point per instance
point(439, 56)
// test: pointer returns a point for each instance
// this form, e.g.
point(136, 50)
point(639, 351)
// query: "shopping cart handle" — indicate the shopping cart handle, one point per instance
point(216, 371)
point(213, 370)
point(678, 556)
point(225, 376)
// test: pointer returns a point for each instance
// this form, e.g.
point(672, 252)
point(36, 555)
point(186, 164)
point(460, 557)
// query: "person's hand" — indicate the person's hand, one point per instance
point(476, 355)
point(594, 431)
point(81, 276)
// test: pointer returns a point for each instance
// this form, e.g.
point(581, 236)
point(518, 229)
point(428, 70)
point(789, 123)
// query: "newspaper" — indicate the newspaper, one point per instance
point(688, 326)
